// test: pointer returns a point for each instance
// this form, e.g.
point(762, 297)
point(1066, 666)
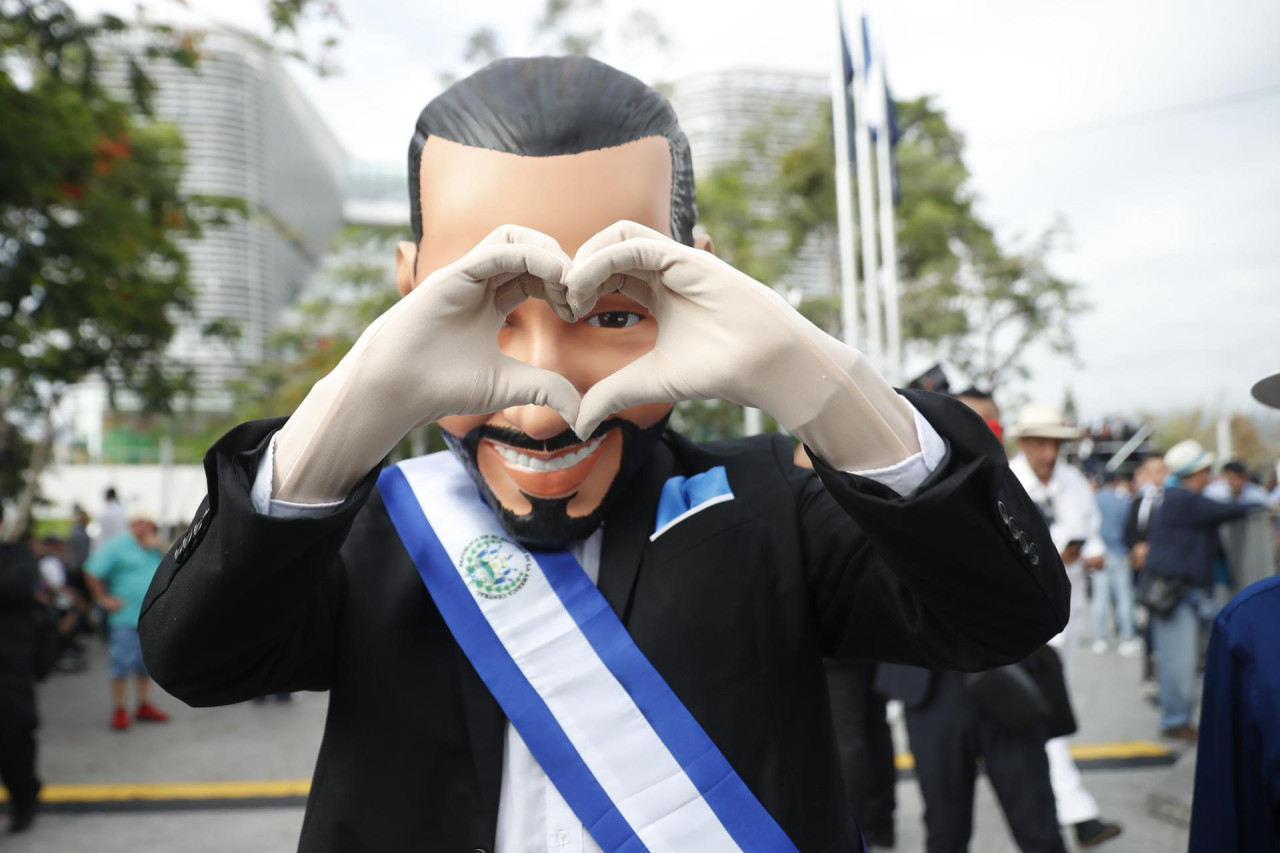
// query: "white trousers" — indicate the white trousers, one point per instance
point(1074, 802)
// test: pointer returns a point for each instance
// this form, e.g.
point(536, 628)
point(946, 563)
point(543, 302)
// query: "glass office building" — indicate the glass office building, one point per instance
point(250, 134)
point(749, 118)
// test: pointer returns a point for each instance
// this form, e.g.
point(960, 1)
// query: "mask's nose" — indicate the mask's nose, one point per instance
point(542, 341)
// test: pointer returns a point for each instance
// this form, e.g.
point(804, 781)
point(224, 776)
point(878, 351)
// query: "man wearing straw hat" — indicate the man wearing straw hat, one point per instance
point(1063, 495)
point(1184, 543)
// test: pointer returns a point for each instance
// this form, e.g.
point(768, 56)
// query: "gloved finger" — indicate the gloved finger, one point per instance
point(648, 379)
point(516, 383)
point(582, 302)
point(623, 229)
point(642, 292)
point(642, 258)
point(556, 295)
point(505, 261)
point(510, 294)
point(529, 236)
point(553, 291)
point(646, 295)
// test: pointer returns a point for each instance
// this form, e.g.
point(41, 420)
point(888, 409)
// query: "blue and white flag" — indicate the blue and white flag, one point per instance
point(881, 113)
point(624, 752)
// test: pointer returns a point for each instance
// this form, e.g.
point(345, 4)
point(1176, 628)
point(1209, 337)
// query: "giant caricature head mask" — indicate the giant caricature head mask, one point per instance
point(566, 146)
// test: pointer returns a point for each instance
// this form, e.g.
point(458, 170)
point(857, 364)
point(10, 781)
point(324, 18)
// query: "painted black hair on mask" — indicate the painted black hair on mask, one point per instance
point(548, 526)
point(552, 105)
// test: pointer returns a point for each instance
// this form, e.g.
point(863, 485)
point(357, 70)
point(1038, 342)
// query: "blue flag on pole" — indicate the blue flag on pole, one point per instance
point(881, 113)
point(846, 59)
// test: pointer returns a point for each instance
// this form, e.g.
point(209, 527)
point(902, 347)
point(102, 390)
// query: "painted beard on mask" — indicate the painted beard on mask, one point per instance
point(548, 525)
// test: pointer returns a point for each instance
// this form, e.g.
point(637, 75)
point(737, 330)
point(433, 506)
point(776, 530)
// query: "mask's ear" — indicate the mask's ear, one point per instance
point(406, 255)
point(703, 242)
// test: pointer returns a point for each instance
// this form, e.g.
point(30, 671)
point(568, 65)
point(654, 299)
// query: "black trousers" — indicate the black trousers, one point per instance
point(866, 748)
point(949, 734)
point(18, 766)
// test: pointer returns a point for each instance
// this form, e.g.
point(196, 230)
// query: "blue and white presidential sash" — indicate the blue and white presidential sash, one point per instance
point(627, 756)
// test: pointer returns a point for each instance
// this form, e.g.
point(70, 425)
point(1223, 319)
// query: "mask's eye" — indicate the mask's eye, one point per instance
point(614, 319)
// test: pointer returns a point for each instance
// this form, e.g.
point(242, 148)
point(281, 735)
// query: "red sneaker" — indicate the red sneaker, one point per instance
point(148, 713)
point(120, 720)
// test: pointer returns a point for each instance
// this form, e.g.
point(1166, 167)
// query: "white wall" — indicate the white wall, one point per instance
point(173, 492)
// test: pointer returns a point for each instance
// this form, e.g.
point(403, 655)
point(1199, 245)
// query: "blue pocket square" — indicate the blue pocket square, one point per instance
point(683, 496)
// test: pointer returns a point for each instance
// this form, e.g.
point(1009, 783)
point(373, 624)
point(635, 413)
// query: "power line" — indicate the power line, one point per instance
point(1189, 108)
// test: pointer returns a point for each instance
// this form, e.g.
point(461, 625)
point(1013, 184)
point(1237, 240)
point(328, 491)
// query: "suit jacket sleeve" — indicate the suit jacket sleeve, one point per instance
point(1199, 511)
point(247, 604)
point(961, 574)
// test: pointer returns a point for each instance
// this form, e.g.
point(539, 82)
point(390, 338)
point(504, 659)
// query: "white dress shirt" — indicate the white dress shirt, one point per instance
point(532, 816)
point(1072, 512)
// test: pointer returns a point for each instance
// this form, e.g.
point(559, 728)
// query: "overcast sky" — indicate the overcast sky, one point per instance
point(1151, 126)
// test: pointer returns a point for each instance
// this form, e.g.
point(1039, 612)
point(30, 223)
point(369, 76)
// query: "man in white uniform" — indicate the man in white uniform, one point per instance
point(1064, 496)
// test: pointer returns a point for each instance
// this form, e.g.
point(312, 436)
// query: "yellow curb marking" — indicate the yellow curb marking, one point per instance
point(1082, 752)
point(274, 788)
point(118, 792)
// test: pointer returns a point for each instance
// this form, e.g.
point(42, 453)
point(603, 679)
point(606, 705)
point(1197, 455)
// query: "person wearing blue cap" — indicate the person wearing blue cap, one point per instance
point(1237, 795)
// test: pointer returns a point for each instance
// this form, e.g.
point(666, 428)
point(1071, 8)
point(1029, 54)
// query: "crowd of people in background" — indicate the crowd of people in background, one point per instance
point(1154, 546)
point(58, 595)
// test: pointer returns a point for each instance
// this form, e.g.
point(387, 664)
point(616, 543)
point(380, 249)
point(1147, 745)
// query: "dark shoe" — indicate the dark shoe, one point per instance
point(1091, 833)
point(1182, 732)
point(22, 817)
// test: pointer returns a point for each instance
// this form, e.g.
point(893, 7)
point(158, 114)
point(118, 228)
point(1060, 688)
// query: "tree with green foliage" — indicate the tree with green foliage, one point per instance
point(975, 302)
point(318, 331)
point(93, 273)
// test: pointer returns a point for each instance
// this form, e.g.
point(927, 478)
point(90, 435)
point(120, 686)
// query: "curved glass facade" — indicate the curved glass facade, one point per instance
point(250, 134)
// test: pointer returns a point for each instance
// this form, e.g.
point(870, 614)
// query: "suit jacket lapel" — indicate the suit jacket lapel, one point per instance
point(627, 529)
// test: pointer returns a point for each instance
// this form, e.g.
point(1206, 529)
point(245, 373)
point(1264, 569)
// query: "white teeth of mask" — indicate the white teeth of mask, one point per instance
point(538, 463)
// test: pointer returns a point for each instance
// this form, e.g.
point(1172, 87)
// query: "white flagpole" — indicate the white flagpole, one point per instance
point(866, 202)
point(888, 236)
point(844, 188)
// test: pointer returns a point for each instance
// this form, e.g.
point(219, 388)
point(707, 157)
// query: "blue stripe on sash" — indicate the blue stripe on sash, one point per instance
point(741, 814)
point(521, 703)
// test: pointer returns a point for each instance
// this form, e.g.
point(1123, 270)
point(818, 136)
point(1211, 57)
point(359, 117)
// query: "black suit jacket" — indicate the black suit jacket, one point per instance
point(735, 606)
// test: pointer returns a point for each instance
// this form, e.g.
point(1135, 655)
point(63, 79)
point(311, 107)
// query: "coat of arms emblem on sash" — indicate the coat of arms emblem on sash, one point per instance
point(495, 567)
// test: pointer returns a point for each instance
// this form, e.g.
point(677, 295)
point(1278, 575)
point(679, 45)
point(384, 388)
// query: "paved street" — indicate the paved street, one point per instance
point(275, 745)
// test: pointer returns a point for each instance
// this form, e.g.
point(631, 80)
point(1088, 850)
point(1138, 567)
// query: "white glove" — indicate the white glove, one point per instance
point(434, 353)
point(721, 334)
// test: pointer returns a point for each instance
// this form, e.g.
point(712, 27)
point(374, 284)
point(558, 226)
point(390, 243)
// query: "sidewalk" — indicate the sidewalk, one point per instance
point(277, 743)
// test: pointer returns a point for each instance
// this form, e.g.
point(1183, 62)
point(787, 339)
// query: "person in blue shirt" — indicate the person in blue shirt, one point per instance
point(118, 575)
point(1237, 795)
point(1183, 547)
point(1114, 582)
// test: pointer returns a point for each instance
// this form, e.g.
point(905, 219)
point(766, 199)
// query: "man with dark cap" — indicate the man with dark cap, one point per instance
point(577, 630)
